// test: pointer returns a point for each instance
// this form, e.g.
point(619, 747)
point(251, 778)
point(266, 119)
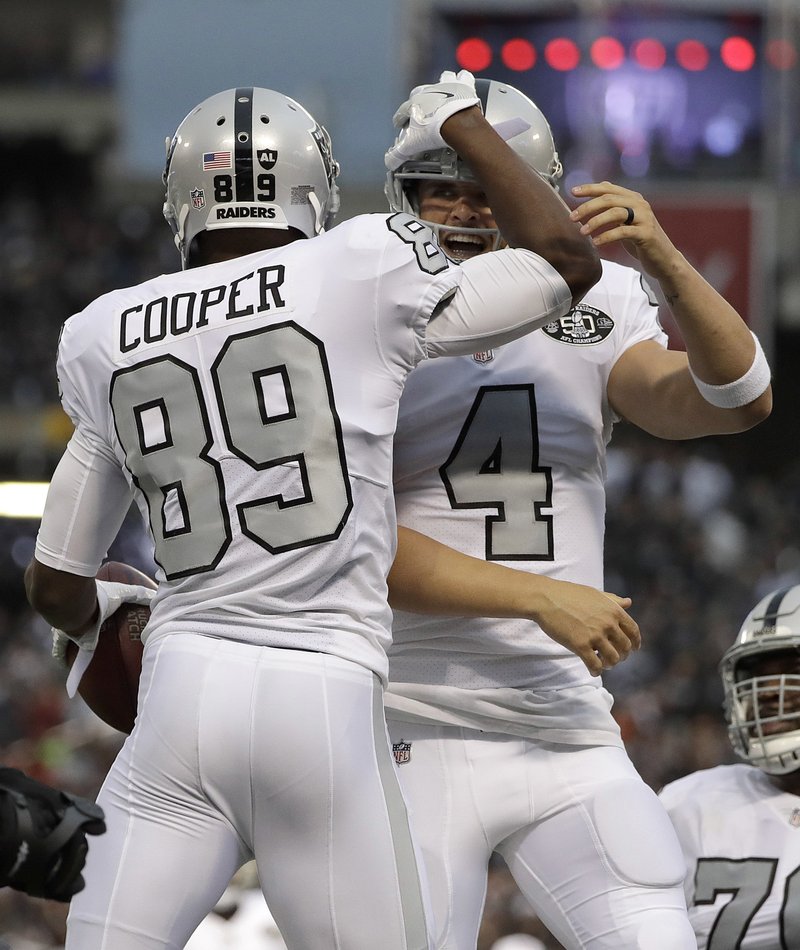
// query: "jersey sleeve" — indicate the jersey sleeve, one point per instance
point(86, 504)
point(637, 306)
point(454, 310)
point(501, 297)
point(89, 494)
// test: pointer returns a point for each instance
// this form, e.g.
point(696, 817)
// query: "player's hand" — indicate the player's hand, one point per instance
point(592, 624)
point(43, 836)
point(421, 116)
point(110, 597)
point(613, 213)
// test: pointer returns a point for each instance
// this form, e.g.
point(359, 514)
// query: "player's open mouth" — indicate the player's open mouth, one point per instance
point(463, 245)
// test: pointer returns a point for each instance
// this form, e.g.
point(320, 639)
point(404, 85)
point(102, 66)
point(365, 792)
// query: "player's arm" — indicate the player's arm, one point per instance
point(86, 504)
point(529, 213)
point(429, 577)
point(721, 383)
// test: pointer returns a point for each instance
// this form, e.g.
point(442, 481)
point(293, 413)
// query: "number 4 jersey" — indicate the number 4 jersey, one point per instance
point(502, 455)
point(741, 839)
point(249, 407)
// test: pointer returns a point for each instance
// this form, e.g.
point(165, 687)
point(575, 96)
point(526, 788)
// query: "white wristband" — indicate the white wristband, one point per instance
point(741, 391)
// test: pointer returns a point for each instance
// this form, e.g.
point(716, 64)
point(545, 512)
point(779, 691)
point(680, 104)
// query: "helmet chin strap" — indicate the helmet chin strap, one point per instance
point(315, 204)
point(180, 234)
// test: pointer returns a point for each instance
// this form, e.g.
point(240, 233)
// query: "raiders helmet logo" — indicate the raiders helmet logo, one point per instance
point(267, 157)
point(582, 326)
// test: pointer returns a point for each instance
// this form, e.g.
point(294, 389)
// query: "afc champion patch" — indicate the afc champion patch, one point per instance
point(582, 326)
point(402, 752)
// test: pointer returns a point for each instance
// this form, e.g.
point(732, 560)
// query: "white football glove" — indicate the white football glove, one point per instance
point(110, 597)
point(421, 116)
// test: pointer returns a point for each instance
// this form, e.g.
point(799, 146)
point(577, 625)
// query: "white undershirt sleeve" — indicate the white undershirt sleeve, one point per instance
point(86, 504)
point(502, 296)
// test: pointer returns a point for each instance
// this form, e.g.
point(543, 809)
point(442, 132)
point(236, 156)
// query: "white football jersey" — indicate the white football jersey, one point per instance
point(251, 405)
point(741, 839)
point(502, 455)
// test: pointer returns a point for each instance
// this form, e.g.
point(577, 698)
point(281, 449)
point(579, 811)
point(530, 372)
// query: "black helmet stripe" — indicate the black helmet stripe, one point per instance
point(773, 607)
point(242, 137)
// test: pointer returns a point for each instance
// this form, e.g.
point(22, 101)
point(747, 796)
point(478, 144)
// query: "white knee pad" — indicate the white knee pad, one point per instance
point(635, 833)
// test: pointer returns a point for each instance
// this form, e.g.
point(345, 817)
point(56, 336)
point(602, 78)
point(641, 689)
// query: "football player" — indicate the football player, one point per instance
point(505, 742)
point(247, 404)
point(739, 824)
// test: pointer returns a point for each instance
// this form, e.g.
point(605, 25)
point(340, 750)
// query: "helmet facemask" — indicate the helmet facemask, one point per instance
point(761, 680)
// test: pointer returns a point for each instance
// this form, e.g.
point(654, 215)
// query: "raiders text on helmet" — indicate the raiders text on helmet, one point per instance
point(514, 116)
point(763, 711)
point(252, 158)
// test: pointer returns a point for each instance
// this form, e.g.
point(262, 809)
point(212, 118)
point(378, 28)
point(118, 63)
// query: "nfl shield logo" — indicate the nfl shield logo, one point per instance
point(485, 356)
point(402, 752)
point(198, 197)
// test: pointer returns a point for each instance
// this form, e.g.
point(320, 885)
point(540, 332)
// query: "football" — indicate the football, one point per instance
point(110, 683)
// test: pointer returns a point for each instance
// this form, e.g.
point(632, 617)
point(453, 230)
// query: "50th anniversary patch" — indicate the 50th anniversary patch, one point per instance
point(582, 326)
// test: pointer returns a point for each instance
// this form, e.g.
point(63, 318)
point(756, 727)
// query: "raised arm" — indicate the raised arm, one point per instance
point(722, 382)
point(429, 577)
point(528, 211)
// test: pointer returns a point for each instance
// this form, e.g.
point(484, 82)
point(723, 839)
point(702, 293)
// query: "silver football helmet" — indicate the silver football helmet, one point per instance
point(515, 117)
point(762, 708)
point(249, 158)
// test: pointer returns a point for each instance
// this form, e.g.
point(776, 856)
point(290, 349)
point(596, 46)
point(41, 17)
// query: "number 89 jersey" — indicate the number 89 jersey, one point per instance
point(250, 406)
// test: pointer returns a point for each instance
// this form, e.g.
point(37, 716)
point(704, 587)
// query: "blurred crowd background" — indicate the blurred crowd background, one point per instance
point(696, 532)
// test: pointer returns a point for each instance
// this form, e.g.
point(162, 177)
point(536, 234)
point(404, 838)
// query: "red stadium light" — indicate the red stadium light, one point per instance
point(562, 54)
point(474, 54)
point(649, 53)
point(692, 55)
point(518, 54)
point(607, 52)
point(781, 54)
point(738, 54)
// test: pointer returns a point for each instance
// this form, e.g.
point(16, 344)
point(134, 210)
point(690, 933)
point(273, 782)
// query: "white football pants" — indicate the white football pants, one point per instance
point(242, 751)
point(587, 841)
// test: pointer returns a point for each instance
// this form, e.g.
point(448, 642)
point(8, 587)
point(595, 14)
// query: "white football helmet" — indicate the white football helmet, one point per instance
point(249, 158)
point(515, 117)
point(763, 711)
